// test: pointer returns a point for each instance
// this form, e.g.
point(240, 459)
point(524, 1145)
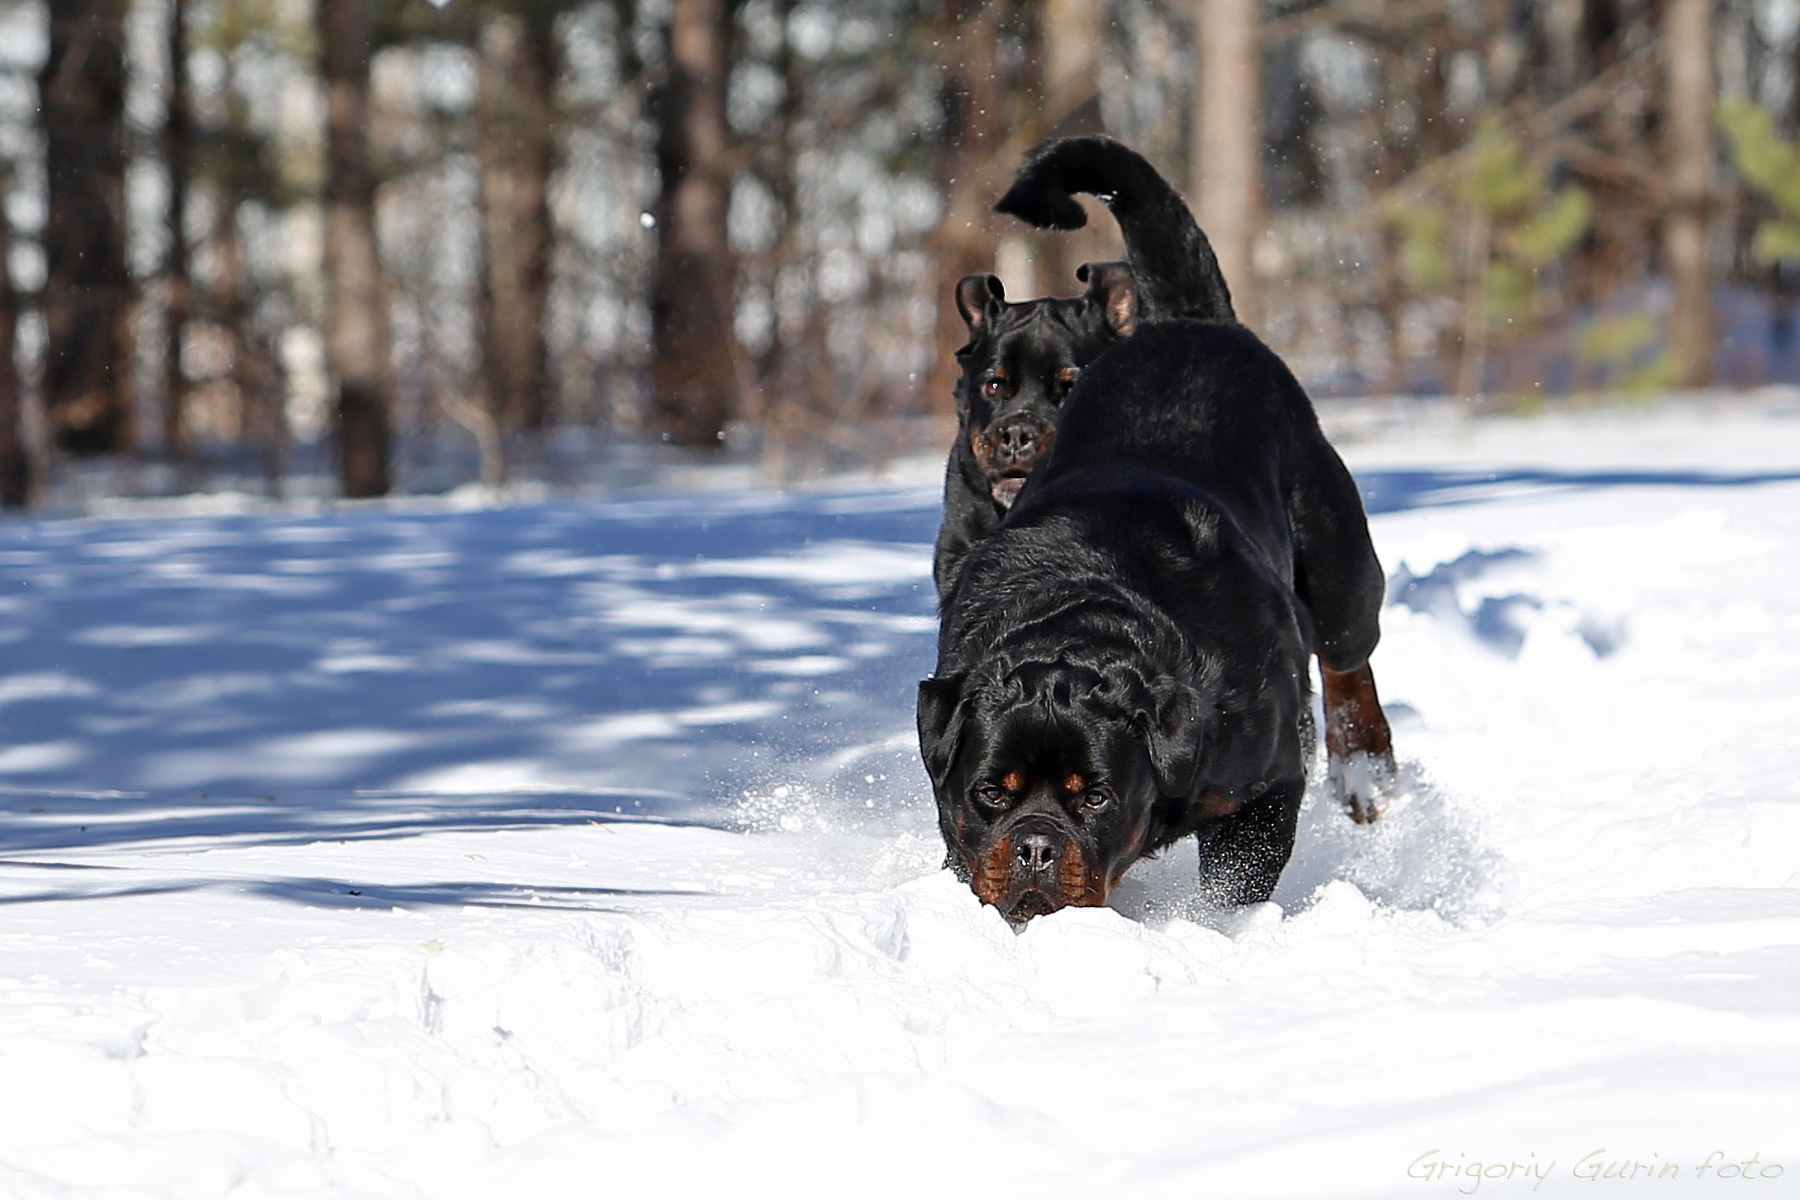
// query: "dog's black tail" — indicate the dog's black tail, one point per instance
point(1177, 274)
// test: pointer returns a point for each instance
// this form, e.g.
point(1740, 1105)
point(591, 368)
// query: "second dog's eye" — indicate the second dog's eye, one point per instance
point(993, 389)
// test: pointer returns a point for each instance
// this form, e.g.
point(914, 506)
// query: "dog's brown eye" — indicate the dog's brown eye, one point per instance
point(991, 796)
point(1096, 800)
point(993, 389)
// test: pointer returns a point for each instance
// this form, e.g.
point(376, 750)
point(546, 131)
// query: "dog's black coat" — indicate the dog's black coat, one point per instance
point(1123, 661)
point(1021, 357)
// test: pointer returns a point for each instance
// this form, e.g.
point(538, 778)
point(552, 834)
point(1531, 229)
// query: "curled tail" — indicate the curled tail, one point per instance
point(1177, 274)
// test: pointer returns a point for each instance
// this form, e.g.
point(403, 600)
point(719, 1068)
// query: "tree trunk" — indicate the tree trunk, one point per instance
point(1687, 149)
point(515, 112)
point(972, 175)
point(178, 154)
point(693, 368)
point(357, 317)
point(1227, 153)
point(87, 291)
point(255, 373)
point(16, 476)
point(781, 372)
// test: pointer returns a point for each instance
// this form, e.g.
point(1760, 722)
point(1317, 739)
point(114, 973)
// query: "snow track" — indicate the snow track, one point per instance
point(581, 849)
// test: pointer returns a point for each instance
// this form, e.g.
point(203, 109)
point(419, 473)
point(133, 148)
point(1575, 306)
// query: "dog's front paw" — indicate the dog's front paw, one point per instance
point(1362, 781)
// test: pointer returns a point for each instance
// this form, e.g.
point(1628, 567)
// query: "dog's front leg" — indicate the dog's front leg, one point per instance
point(1359, 747)
point(1242, 856)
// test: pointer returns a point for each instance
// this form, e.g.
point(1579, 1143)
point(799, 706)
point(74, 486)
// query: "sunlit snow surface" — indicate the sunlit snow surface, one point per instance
point(580, 849)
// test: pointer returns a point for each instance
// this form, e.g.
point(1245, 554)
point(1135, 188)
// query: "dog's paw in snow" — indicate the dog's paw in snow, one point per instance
point(1363, 783)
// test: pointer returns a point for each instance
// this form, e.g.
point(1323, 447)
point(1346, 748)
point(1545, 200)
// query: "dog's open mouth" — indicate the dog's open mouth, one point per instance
point(1031, 904)
point(1006, 488)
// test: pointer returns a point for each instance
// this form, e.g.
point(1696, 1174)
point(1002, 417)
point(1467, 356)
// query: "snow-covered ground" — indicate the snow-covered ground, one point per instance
point(579, 848)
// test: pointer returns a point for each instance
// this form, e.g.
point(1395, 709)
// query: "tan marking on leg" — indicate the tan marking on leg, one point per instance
point(1353, 717)
point(1213, 804)
point(1355, 724)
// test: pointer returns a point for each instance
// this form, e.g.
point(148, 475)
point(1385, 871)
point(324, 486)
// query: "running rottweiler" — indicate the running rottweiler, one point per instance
point(1122, 662)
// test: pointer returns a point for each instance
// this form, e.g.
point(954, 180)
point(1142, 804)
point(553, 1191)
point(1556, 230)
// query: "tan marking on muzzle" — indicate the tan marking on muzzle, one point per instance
point(1079, 886)
point(993, 875)
point(986, 445)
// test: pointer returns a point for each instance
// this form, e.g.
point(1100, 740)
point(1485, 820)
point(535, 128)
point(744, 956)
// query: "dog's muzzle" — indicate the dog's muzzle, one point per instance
point(1033, 868)
point(1014, 448)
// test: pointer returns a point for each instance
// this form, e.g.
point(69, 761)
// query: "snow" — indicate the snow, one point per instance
point(579, 847)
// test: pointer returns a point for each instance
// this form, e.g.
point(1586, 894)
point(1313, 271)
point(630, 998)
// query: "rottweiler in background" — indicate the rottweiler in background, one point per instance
point(1022, 357)
point(1123, 661)
point(1019, 363)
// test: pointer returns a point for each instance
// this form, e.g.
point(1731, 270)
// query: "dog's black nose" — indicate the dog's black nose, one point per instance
point(1037, 851)
point(1016, 441)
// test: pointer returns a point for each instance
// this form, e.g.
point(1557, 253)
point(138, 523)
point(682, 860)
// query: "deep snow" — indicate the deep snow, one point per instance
point(580, 848)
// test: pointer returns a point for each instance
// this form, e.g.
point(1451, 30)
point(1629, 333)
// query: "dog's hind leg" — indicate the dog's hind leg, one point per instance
point(1339, 579)
point(1359, 746)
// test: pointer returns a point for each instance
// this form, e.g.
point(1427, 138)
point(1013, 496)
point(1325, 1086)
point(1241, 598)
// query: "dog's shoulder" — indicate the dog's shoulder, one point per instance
point(1204, 398)
point(1170, 359)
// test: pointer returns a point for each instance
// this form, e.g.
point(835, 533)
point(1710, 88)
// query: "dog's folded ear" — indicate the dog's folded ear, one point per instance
point(1171, 725)
point(1114, 289)
point(976, 297)
point(940, 730)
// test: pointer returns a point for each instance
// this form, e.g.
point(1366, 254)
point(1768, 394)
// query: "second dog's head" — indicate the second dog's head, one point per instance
point(1020, 361)
point(1053, 778)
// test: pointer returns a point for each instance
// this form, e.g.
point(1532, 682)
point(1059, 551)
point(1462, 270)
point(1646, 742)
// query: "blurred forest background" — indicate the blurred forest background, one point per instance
point(354, 245)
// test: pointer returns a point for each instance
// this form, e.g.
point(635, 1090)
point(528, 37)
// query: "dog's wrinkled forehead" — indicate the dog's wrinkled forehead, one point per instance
point(1055, 684)
point(1041, 333)
point(1036, 706)
point(1025, 725)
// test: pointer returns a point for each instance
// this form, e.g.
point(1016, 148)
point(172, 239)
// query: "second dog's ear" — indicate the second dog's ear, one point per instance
point(975, 294)
point(1113, 287)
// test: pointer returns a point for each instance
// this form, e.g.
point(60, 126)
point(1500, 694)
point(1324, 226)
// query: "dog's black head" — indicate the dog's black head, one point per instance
point(1052, 778)
point(1020, 361)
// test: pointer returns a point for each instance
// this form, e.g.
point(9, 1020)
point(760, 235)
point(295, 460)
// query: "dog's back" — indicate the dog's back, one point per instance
point(1204, 403)
point(1205, 410)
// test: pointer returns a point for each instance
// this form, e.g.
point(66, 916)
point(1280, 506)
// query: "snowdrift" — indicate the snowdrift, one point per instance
point(580, 848)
